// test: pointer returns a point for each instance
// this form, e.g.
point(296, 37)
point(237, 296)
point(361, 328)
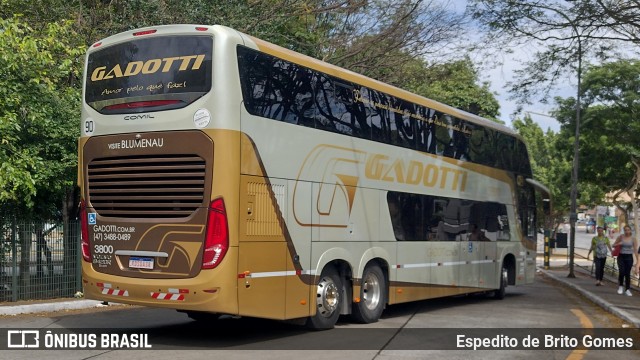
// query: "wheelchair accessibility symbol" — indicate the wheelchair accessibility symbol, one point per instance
point(92, 218)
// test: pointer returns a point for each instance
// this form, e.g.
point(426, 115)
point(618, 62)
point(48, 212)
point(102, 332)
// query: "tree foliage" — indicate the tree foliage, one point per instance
point(550, 165)
point(620, 17)
point(368, 37)
point(455, 83)
point(39, 72)
point(610, 138)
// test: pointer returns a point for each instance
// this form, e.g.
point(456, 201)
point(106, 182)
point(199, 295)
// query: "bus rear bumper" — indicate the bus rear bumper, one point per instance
point(201, 293)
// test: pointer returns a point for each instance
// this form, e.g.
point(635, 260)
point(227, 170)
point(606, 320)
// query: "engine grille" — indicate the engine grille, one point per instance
point(166, 186)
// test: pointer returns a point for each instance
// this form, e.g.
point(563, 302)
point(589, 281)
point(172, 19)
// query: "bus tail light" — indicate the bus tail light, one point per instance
point(84, 236)
point(142, 104)
point(217, 235)
point(144, 32)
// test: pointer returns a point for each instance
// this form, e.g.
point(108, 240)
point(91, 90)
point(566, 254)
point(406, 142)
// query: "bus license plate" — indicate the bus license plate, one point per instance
point(141, 263)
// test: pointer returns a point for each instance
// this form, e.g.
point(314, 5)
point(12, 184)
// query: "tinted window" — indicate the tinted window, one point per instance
point(284, 91)
point(527, 210)
point(167, 72)
point(416, 217)
point(402, 126)
point(332, 98)
point(277, 89)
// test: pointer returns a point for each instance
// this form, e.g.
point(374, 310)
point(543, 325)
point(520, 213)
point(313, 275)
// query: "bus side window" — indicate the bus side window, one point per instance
point(425, 131)
point(302, 108)
point(402, 126)
point(332, 114)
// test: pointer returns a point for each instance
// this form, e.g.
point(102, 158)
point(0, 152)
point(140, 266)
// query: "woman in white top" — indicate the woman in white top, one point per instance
point(627, 260)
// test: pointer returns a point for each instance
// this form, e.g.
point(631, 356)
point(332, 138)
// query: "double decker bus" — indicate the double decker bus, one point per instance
point(221, 174)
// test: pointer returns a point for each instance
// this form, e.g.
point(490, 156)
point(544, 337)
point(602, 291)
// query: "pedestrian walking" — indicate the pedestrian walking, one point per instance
point(599, 245)
point(627, 260)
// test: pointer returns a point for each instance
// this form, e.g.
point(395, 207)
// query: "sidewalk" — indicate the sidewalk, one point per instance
point(49, 306)
point(625, 307)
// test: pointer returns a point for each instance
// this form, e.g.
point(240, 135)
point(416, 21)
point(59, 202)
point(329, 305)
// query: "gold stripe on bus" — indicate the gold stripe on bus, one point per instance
point(400, 292)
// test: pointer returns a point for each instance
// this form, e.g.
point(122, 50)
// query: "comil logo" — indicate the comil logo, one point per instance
point(23, 339)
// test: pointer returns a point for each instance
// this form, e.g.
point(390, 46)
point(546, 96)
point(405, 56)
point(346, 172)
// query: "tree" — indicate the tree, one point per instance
point(455, 83)
point(39, 74)
point(559, 29)
point(550, 165)
point(620, 17)
point(567, 38)
point(369, 37)
point(610, 147)
point(376, 38)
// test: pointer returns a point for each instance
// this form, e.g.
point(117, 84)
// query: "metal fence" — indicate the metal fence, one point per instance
point(39, 260)
point(610, 267)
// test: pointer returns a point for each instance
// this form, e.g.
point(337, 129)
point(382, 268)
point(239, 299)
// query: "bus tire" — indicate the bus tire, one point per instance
point(372, 296)
point(328, 300)
point(504, 279)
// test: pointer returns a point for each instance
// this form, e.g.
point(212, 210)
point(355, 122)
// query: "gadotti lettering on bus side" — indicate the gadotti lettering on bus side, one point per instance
point(382, 167)
point(148, 67)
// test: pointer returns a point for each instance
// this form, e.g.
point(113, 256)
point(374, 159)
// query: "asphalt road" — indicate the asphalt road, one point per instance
point(413, 331)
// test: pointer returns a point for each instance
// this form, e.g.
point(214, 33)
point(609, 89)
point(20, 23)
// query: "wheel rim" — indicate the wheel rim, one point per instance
point(328, 297)
point(371, 291)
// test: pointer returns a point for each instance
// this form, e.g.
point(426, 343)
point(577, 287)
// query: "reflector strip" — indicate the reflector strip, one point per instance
point(267, 274)
point(114, 292)
point(448, 263)
point(178, 291)
point(165, 296)
point(276, 274)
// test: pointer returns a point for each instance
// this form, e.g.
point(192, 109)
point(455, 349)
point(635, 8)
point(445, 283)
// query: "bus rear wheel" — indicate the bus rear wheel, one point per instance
point(504, 279)
point(328, 300)
point(372, 296)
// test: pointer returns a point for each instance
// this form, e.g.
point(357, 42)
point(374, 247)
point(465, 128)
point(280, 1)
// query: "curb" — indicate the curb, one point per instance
point(624, 315)
point(51, 307)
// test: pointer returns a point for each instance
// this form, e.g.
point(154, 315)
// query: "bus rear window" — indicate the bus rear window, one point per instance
point(153, 74)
